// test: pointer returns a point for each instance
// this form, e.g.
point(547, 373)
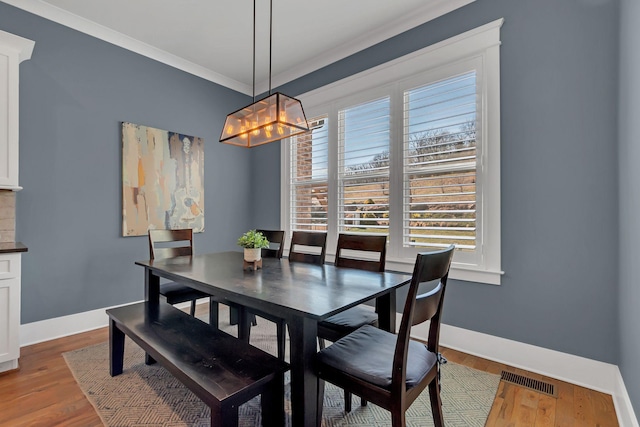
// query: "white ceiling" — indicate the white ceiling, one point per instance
point(213, 38)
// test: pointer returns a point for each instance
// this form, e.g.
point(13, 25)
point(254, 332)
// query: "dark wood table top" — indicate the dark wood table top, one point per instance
point(298, 288)
point(11, 247)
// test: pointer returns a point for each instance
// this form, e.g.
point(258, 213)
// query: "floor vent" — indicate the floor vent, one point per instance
point(530, 383)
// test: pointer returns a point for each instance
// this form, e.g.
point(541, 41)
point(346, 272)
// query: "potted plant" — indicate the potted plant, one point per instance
point(253, 241)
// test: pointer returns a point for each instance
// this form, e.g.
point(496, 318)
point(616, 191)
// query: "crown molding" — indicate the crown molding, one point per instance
point(431, 10)
point(101, 32)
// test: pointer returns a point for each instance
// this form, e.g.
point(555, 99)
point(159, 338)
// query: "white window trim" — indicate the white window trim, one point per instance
point(483, 43)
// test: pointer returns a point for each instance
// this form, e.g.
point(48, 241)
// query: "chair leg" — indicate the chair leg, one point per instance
point(320, 402)
point(347, 401)
point(233, 315)
point(192, 312)
point(436, 402)
point(322, 343)
point(363, 402)
point(148, 360)
point(397, 418)
point(213, 313)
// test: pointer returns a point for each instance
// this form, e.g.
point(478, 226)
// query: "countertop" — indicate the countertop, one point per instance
point(10, 247)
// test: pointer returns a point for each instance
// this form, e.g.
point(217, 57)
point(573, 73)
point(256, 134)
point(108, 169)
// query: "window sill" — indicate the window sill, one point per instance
point(458, 271)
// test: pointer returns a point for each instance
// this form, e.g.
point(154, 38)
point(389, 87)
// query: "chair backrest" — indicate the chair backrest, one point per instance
point(358, 242)
point(171, 238)
point(429, 267)
point(276, 237)
point(310, 239)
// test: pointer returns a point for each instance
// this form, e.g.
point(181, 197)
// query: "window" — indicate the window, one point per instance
point(308, 178)
point(410, 149)
point(363, 168)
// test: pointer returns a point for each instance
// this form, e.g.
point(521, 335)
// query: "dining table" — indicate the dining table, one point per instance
point(300, 293)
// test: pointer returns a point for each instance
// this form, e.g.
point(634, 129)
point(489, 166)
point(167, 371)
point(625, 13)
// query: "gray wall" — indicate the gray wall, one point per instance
point(629, 194)
point(559, 157)
point(74, 93)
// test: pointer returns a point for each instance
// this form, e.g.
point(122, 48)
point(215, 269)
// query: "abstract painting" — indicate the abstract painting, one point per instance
point(162, 180)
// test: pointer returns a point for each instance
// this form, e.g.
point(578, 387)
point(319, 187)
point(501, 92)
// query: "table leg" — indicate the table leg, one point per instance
point(304, 383)
point(386, 305)
point(151, 287)
point(151, 294)
point(244, 323)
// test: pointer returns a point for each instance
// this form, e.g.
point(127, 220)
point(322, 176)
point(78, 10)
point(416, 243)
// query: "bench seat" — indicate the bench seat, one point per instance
point(223, 371)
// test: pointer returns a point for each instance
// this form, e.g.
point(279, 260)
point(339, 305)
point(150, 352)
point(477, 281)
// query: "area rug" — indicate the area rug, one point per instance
point(149, 395)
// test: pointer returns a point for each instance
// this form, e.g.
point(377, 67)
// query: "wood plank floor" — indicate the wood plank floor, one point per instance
point(44, 393)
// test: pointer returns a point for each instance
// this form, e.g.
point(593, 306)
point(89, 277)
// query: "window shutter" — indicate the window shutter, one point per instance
point(308, 184)
point(363, 167)
point(440, 164)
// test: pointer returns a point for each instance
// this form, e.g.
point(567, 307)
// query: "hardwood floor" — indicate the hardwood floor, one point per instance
point(44, 393)
point(514, 405)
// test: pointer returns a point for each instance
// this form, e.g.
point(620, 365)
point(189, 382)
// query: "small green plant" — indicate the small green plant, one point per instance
point(253, 239)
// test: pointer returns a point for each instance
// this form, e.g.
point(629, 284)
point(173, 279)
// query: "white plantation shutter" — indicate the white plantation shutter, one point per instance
point(440, 201)
point(410, 149)
point(363, 167)
point(308, 177)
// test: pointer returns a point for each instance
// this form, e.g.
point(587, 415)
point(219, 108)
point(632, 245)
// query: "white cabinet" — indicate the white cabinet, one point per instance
point(9, 310)
point(13, 50)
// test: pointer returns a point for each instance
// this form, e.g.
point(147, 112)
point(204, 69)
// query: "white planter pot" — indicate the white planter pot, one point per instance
point(252, 254)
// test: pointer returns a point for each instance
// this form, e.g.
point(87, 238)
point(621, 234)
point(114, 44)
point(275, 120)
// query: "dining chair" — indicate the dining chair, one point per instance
point(173, 243)
point(302, 240)
point(392, 370)
point(275, 237)
point(363, 253)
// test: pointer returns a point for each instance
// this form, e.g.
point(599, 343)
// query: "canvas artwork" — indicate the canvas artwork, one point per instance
point(162, 180)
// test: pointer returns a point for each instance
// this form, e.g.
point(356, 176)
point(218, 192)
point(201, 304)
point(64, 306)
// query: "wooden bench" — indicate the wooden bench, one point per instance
point(223, 371)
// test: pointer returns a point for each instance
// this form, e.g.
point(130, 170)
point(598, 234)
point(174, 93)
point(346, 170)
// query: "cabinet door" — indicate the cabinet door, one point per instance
point(9, 319)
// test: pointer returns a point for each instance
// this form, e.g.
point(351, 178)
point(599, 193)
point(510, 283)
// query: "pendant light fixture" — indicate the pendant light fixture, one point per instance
point(270, 119)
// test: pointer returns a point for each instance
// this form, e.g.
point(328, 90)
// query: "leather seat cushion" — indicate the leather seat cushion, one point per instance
point(176, 293)
point(368, 354)
point(349, 320)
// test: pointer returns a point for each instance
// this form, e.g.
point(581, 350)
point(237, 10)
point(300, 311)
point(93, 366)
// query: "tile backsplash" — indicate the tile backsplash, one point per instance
point(7, 216)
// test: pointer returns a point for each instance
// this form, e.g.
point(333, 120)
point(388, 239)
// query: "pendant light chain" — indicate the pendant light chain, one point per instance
point(270, 39)
point(254, 50)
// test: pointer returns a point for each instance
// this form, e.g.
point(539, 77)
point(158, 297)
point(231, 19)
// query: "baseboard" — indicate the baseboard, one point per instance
point(573, 369)
point(45, 330)
point(622, 402)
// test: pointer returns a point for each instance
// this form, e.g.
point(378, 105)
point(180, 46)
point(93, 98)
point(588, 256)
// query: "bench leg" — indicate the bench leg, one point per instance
point(116, 349)
point(224, 416)
point(272, 401)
